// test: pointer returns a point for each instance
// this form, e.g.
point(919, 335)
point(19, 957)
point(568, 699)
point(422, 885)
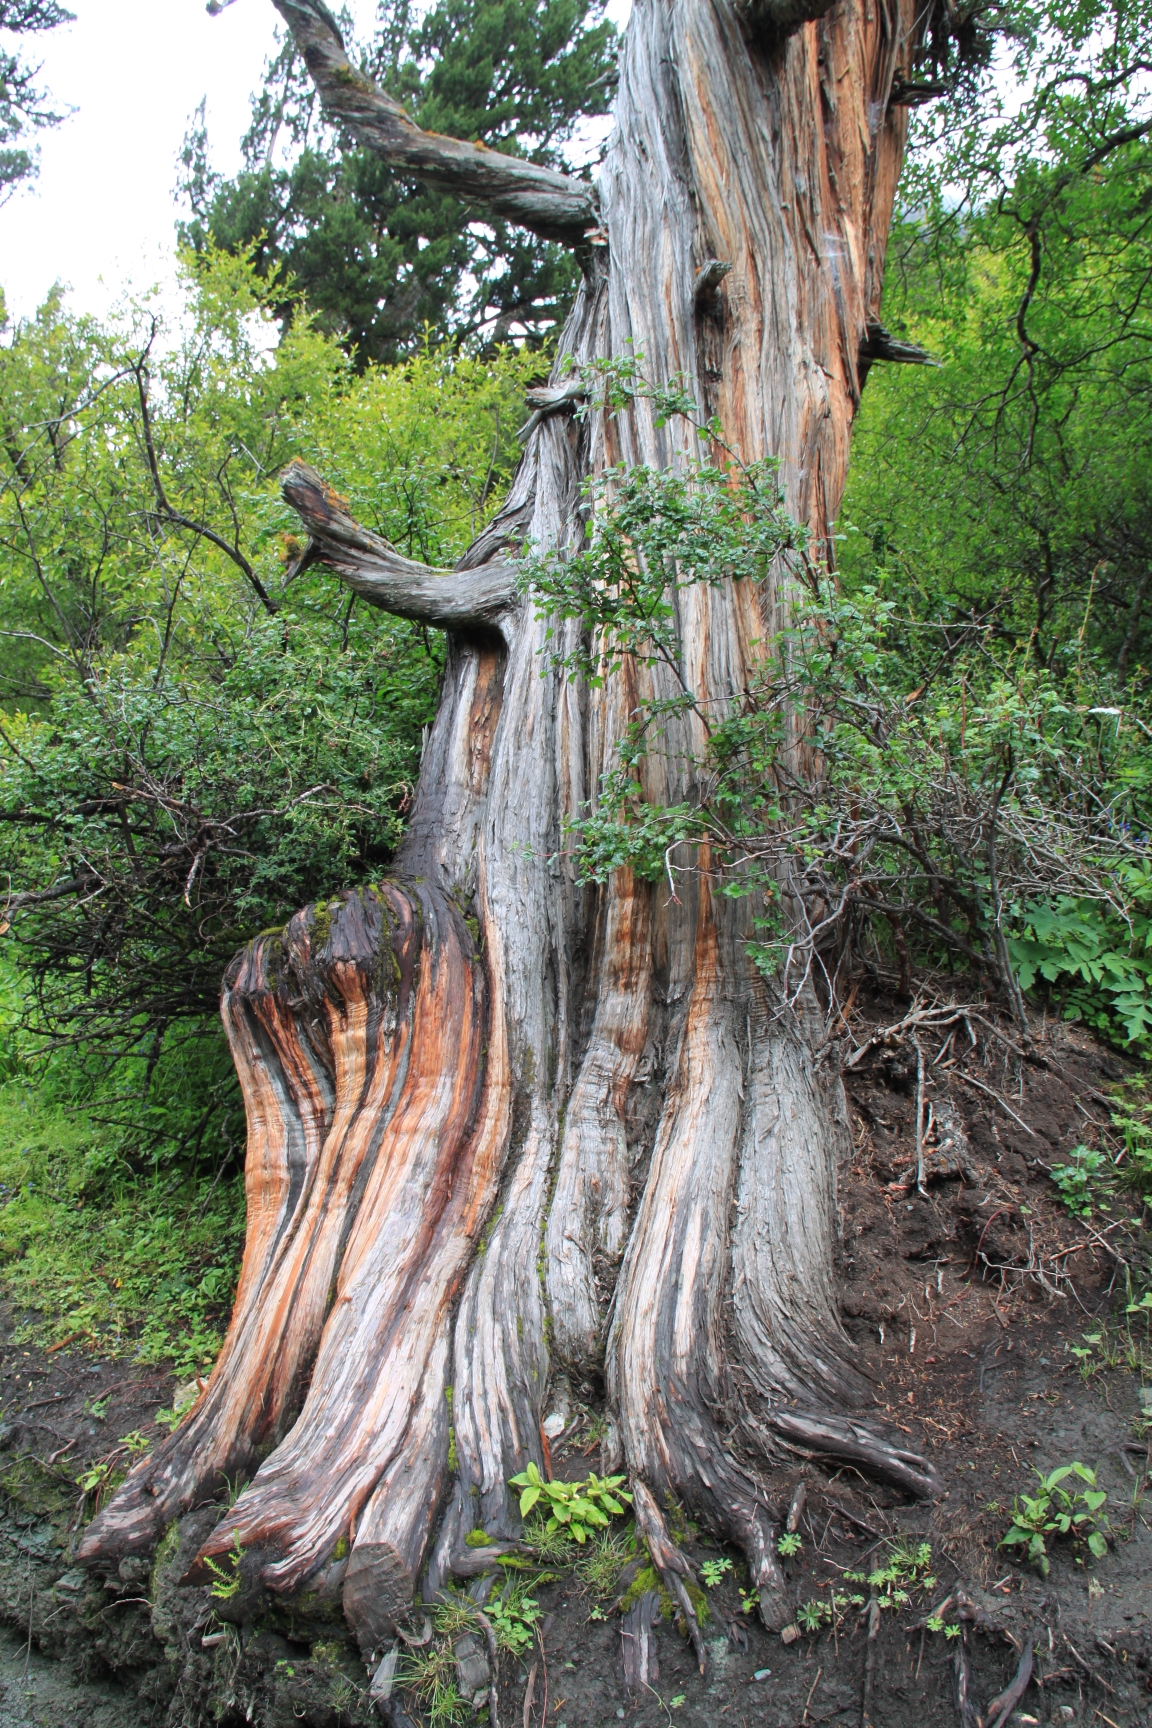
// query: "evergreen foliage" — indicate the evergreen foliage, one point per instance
point(24, 108)
point(382, 262)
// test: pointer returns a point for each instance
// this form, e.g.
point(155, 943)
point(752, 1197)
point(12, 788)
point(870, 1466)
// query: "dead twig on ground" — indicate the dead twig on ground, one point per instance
point(493, 1659)
point(873, 1612)
point(530, 1694)
point(1002, 1706)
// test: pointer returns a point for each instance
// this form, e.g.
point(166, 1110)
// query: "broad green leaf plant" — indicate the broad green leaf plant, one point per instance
point(1054, 1511)
point(579, 1509)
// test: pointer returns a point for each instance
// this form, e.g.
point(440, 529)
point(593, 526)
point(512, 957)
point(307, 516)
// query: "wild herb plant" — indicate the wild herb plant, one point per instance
point(578, 1509)
point(1055, 1511)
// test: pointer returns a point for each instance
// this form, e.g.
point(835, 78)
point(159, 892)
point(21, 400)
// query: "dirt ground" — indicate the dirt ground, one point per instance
point(965, 1306)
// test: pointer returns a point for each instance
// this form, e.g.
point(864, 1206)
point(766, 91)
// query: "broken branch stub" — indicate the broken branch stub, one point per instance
point(451, 599)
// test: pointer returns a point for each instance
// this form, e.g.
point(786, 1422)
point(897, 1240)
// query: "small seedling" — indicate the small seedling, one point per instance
point(908, 1569)
point(812, 1615)
point(713, 1570)
point(1053, 1511)
point(225, 1584)
point(135, 1443)
point(94, 1477)
point(749, 1601)
point(789, 1544)
point(1078, 1180)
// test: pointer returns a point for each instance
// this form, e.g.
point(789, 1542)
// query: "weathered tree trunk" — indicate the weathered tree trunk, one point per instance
point(451, 1191)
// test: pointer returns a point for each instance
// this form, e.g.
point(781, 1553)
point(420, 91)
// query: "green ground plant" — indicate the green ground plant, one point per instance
point(603, 1557)
point(102, 1254)
point(1054, 1511)
point(579, 1509)
point(428, 1676)
point(905, 1576)
point(226, 1580)
point(907, 1569)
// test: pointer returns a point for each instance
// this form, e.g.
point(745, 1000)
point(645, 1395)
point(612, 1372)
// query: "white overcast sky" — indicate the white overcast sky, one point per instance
point(101, 216)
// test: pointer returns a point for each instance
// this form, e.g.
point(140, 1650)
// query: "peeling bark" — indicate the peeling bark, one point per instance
point(447, 1188)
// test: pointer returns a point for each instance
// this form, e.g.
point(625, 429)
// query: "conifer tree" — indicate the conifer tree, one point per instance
point(380, 258)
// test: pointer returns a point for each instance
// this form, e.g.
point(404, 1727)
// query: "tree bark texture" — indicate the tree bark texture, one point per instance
point(503, 1128)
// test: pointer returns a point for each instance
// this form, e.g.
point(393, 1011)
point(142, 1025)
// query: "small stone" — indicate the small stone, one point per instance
point(554, 1425)
point(762, 1674)
point(790, 1634)
point(1065, 1713)
point(620, 1711)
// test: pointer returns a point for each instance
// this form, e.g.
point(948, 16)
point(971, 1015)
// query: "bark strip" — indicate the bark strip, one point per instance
point(319, 1023)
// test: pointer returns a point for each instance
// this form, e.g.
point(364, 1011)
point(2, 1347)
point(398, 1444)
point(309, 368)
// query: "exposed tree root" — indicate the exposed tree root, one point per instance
point(319, 1018)
point(641, 1662)
point(850, 1442)
point(673, 1568)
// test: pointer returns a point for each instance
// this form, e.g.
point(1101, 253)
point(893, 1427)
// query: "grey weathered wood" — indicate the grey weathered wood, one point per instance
point(555, 206)
point(450, 598)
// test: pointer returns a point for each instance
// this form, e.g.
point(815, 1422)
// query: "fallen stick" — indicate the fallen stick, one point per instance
point(1007, 1108)
point(530, 1694)
point(962, 1686)
point(1002, 1706)
point(869, 1664)
point(920, 1188)
point(493, 1695)
point(796, 1510)
point(853, 1519)
point(808, 1700)
point(1091, 1672)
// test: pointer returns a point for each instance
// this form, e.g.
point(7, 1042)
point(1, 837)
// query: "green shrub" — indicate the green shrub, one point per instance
point(1053, 1512)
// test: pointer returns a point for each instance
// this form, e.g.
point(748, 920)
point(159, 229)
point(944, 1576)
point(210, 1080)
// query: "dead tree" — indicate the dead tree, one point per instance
point(451, 1192)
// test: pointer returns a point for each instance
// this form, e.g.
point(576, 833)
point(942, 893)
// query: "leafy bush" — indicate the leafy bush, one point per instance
point(1098, 957)
point(578, 1509)
point(1053, 1511)
point(1121, 1170)
point(908, 785)
point(202, 735)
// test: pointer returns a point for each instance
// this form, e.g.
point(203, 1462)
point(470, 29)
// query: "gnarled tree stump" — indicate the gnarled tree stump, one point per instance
point(445, 1200)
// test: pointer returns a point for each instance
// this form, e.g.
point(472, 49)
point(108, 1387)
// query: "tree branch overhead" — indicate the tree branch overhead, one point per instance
point(554, 206)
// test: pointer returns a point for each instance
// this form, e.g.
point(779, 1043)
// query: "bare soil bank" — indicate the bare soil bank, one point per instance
point(964, 1305)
